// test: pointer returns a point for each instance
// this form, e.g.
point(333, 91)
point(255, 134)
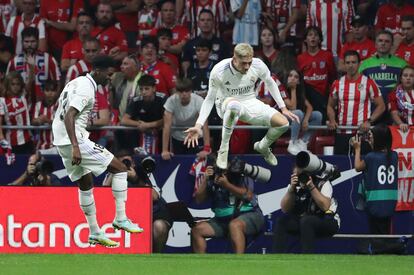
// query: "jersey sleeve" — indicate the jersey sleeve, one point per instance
point(213, 85)
point(270, 83)
point(79, 99)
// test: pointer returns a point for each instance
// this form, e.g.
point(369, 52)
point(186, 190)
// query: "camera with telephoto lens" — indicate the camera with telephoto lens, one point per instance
point(312, 165)
point(239, 168)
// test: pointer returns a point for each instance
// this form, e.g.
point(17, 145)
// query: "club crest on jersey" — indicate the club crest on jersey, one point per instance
point(252, 79)
point(383, 66)
point(322, 64)
point(314, 65)
point(157, 72)
point(227, 83)
point(216, 47)
point(407, 56)
point(105, 38)
point(360, 87)
point(364, 52)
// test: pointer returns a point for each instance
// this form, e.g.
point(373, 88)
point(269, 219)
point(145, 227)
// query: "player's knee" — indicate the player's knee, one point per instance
point(234, 107)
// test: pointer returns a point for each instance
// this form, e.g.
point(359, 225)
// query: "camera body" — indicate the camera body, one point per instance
point(239, 168)
point(363, 135)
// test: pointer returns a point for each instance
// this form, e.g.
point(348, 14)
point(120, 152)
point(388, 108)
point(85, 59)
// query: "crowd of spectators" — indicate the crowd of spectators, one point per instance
point(335, 65)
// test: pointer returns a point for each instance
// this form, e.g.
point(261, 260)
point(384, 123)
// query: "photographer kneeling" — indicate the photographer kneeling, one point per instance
point(309, 206)
point(237, 213)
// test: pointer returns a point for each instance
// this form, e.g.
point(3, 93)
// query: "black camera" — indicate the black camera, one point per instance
point(363, 135)
point(303, 178)
point(44, 167)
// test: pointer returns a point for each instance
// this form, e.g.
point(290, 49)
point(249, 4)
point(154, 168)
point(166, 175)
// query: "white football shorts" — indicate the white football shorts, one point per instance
point(95, 159)
point(253, 111)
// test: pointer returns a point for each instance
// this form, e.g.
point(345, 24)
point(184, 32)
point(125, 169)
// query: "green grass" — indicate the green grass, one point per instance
point(211, 264)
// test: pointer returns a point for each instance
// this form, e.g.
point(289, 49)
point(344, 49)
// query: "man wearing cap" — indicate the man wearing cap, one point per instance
point(360, 42)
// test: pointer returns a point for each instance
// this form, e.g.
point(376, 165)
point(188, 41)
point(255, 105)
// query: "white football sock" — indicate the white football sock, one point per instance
point(119, 191)
point(272, 134)
point(87, 204)
point(230, 118)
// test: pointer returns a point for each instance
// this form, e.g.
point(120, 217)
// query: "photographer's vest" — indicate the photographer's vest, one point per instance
point(380, 184)
point(226, 205)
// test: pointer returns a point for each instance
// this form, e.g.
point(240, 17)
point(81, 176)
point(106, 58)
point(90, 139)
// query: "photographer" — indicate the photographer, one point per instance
point(310, 210)
point(138, 175)
point(379, 186)
point(237, 213)
point(38, 173)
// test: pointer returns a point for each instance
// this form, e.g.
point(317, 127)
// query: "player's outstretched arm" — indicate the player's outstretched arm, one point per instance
point(193, 133)
point(70, 129)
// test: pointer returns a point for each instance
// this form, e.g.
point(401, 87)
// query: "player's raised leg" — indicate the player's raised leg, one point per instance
point(87, 204)
point(279, 125)
point(232, 110)
point(119, 191)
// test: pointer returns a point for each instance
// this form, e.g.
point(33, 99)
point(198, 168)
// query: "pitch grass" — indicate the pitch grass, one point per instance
point(212, 264)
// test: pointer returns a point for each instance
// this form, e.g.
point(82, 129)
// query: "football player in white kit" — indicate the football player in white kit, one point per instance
point(232, 89)
point(82, 157)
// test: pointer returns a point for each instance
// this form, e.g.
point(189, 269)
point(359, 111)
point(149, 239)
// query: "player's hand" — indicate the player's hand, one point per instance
point(290, 115)
point(166, 155)
point(76, 155)
point(404, 127)
point(30, 59)
point(191, 140)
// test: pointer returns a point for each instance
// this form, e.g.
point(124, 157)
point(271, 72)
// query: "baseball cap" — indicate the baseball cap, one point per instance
point(358, 20)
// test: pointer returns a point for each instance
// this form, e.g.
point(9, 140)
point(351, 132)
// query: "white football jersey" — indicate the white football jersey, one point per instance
point(80, 94)
point(225, 81)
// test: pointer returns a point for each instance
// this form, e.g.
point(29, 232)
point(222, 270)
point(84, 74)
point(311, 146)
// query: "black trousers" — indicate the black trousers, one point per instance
point(307, 227)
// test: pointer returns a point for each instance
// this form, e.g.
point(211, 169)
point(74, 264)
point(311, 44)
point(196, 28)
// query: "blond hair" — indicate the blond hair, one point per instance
point(243, 50)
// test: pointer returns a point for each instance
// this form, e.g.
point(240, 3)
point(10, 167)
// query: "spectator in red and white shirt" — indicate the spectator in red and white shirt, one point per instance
point(282, 15)
point(7, 10)
point(164, 37)
point(72, 50)
point(150, 64)
point(333, 18)
point(351, 96)
point(389, 17)
point(360, 42)
point(192, 10)
point(28, 18)
point(168, 20)
point(35, 67)
point(147, 18)
point(44, 112)
point(14, 110)
point(126, 12)
point(318, 69)
point(60, 18)
point(113, 40)
point(401, 100)
point(406, 48)
point(264, 95)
